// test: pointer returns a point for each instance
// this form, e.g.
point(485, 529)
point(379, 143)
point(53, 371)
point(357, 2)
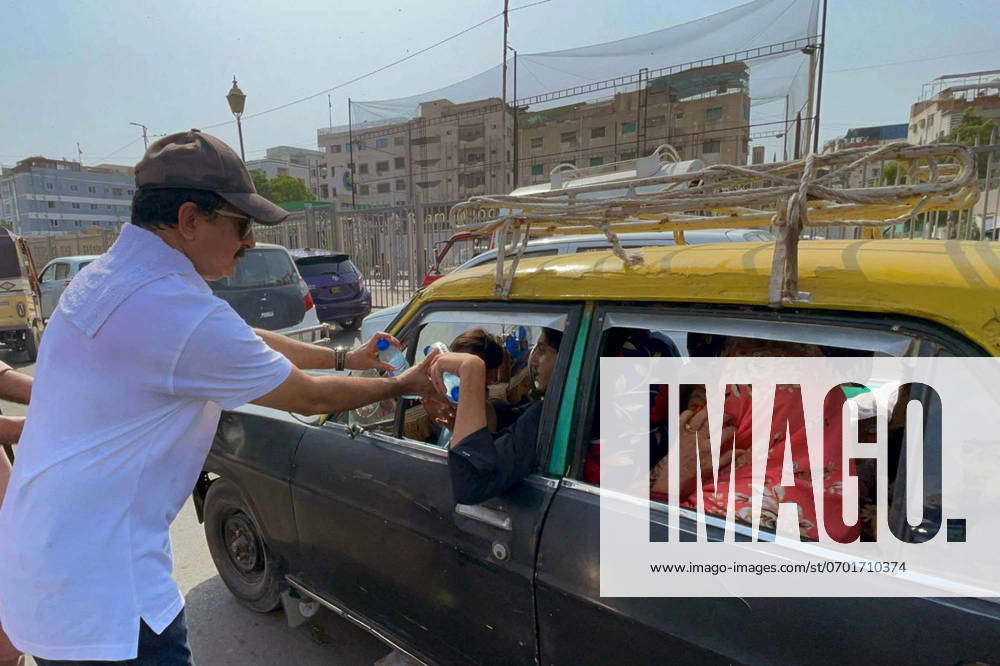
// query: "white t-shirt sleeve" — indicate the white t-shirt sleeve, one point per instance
point(226, 362)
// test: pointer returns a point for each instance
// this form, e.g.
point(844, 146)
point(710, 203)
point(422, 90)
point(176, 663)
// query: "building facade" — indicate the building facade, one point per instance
point(861, 137)
point(41, 196)
point(704, 113)
point(451, 152)
point(945, 99)
point(290, 161)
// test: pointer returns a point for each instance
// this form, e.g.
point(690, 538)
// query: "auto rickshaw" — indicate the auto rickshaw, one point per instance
point(20, 307)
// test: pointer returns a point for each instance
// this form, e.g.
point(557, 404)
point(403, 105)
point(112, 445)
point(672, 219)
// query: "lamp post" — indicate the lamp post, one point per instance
point(237, 100)
point(145, 134)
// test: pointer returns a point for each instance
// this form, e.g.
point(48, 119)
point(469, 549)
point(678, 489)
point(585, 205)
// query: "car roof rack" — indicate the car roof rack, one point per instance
point(660, 192)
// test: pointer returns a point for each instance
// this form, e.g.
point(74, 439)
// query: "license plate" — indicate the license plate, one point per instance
point(335, 290)
point(267, 314)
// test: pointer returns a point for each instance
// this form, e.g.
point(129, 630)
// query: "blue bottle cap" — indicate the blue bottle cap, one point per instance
point(382, 344)
point(427, 350)
point(454, 393)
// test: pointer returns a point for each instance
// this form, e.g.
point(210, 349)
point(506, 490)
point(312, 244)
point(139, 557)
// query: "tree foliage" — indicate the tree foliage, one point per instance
point(974, 130)
point(280, 189)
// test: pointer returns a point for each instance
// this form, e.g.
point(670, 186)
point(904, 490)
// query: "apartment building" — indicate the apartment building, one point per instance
point(450, 152)
point(861, 137)
point(944, 100)
point(290, 161)
point(704, 113)
point(41, 195)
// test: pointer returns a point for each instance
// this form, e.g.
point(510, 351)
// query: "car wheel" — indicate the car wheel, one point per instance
point(351, 324)
point(32, 338)
point(240, 554)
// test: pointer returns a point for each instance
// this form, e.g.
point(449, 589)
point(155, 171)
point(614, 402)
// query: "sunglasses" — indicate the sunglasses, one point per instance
point(245, 226)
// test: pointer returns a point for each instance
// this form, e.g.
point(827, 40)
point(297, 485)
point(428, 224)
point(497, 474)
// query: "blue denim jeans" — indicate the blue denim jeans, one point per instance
point(167, 649)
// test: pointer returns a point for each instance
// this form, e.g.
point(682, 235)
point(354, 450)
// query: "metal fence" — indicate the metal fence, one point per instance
point(394, 247)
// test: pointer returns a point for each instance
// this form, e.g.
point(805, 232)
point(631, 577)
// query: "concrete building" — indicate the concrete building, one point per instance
point(291, 161)
point(450, 152)
point(944, 100)
point(859, 137)
point(704, 113)
point(42, 195)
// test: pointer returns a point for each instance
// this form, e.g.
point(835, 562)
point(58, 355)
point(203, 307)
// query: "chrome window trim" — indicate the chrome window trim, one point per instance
point(552, 320)
point(895, 344)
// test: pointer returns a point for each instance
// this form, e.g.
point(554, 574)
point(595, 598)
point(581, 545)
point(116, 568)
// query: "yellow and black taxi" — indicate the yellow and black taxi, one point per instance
point(20, 307)
point(357, 512)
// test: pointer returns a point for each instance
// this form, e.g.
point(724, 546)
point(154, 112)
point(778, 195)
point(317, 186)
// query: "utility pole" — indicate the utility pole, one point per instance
point(329, 103)
point(79, 153)
point(503, 91)
point(819, 86)
point(350, 157)
point(503, 53)
point(145, 134)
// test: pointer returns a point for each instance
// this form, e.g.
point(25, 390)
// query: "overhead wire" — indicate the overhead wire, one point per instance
point(378, 69)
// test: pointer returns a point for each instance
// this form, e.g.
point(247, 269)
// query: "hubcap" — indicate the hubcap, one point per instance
point(242, 544)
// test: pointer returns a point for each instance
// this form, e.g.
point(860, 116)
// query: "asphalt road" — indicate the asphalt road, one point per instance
point(224, 633)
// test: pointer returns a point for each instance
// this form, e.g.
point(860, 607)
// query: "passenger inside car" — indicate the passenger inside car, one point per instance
point(485, 464)
point(693, 422)
point(441, 412)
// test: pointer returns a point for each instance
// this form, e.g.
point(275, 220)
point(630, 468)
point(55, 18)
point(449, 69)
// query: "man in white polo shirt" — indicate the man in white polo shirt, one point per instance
point(136, 365)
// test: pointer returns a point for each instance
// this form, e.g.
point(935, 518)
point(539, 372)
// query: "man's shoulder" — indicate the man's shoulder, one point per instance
point(173, 301)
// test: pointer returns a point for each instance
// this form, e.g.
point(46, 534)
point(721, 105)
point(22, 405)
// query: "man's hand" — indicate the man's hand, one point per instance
point(458, 364)
point(440, 411)
point(10, 429)
point(416, 380)
point(365, 357)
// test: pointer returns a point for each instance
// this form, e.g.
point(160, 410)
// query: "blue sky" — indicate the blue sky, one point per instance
point(80, 71)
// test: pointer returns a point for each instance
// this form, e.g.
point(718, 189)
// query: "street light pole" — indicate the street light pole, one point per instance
point(145, 135)
point(237, 101)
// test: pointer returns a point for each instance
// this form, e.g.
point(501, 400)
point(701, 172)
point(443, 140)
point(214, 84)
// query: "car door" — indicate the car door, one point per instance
point(383, 538)
point(51, 285)
point(729, 629)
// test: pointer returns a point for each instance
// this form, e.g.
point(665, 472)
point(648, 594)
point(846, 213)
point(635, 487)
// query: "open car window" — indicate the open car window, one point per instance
point(509, 381)
point(634, 333)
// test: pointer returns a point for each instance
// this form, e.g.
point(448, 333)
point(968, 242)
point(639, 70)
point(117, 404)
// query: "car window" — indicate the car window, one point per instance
point(529, 252)
point(645, 334)
point(261, 268)
point(320, 266)
point(82, 265)
point(49, 274)
point(509, 383)
point(62, 271)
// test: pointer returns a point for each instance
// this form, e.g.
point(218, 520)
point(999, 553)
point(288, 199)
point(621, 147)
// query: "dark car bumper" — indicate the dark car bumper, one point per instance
point(340, 310)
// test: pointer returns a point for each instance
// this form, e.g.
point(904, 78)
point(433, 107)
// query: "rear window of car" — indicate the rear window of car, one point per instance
point(317, 266)
point(82, 264)
point(261, 268)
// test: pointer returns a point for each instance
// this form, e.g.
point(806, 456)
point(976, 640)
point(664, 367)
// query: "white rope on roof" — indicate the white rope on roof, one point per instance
point(786, 196)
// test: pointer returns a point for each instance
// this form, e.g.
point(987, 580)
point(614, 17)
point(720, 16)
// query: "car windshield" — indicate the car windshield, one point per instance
point(260, 268)
point(9, 265)
point(318, 266)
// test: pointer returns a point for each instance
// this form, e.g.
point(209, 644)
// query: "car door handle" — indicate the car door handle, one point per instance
point(491, 517)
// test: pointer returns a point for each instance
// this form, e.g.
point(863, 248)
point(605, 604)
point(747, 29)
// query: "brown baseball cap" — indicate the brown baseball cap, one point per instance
point(200, 161)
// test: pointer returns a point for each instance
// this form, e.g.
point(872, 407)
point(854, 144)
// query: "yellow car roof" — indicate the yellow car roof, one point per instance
point(954, 283)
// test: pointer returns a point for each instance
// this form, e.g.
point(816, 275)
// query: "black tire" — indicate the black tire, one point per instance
point(32, 338)
point(242, 558)
point(351, 324)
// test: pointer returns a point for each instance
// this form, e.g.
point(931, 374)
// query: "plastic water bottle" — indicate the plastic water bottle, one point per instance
point(450, 381)
point(387, 353)
point(450, 386)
